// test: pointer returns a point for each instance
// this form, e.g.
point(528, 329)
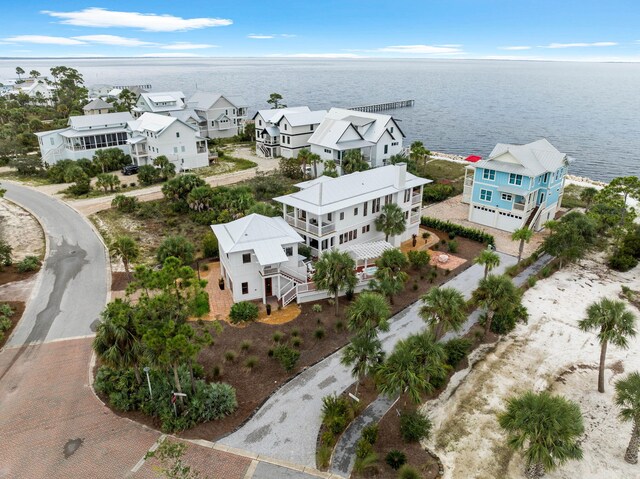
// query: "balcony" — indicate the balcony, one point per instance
point(415, 199)
point(414, 217)
point(269, 270)
point(310, 227)
point(519, 206)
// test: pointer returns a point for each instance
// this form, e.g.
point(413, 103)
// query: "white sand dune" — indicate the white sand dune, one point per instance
point(548, 353)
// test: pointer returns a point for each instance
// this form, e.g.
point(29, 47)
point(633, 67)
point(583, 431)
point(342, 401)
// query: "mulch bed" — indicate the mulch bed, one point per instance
point(18, 310)
point(119, 281)
point(254, 387)
point(9, 274)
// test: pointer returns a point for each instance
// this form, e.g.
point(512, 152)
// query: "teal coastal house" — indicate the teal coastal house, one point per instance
point(516, 186)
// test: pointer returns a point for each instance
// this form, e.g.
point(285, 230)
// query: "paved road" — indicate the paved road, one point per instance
point(72, 286)
point(287, 426)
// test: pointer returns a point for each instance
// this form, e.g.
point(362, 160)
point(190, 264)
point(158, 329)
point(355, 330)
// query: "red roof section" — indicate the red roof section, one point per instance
point(473, 158)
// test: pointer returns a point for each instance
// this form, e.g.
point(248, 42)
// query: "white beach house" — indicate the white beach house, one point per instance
point(221, 116)
point(84, 136)
point(285, 131)
point(341, 212)
point(161, 102)
point(153, 135)
point(38, 90)
point(97, 107)
point(377, 136)
point(259, 258)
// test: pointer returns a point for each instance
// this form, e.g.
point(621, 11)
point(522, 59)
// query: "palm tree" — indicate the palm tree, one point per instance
point(364, 353)
point(368, 313)
point(418, 153)
point(489, 259)
point(588, 195)
point(390, 277)
point(616, 324)
point(303, 158)
point(391, 221)
point(545, 427)
point(335, 272)
point(117, 342)
point(523, 235)
point(353, 161)
point(443, 310)
point(125, 248)
point(402, 373)
point(430, 354)
point(496, 293)
point(314, 158)
point(628, 400)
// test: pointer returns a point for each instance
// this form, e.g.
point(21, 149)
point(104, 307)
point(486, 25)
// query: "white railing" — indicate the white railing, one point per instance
point(414, 218)
point(289, 296)
point(294, 275)
point(518, 206)
point(306, 287)
point(415, 199)
point(269, 271)
point(55, 152)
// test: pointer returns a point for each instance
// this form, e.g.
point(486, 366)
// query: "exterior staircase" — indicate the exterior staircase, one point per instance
point(532, 217)
point(52, 156)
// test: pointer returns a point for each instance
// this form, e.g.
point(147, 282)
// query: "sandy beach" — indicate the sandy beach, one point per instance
point(550, 352)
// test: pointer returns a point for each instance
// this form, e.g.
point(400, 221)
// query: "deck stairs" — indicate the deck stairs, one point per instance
point(532, 217)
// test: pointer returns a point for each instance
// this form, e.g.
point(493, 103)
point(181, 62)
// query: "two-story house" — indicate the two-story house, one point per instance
point(153, 135)
point(84, 136)
point(516, 186)
point(159, 102)
point(285, 131)
point(222, 116)
point(340, 212)
point(376, 136)
point(259, 258)
point(97, 107)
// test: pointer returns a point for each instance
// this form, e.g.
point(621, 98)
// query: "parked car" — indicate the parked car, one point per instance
point(129, 170)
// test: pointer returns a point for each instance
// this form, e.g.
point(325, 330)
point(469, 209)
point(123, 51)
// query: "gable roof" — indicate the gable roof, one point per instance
point(185, 115)
point(303, 117)
point(151, 98)
point(532, 159)
point(203, 100)
point(102, 121)
point(263, 235)
point(274, 115)
point(97, 104)
point(370, 126)
point(333, 194)
point(155, 123)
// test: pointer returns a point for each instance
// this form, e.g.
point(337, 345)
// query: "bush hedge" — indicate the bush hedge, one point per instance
point(29, 263)
point(456, 350)
point(243, 311)
point(462, 231)
point(414, 426)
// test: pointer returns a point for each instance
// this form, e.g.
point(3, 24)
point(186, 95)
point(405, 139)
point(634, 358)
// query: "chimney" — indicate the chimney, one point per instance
point(401, 176)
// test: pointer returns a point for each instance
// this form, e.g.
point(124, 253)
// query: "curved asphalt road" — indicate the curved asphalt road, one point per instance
point(72, 287)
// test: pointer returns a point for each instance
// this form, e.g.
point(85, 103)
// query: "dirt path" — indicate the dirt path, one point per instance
point(467, 437)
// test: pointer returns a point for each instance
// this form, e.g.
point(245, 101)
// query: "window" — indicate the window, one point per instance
point(394, 143)
point(177, 134)
point(515, 179)
point(489, 175)
point(375, 205)
point(387, 199)
point(182, 149)
point(327, 150)
point(391, 129)
point(366, 229)
point(485, 195)
point(355, 212)
point(407, 195)
point(341, 215)
point(245, 288)
point(406, 215)
point(329, 216)
point(175, 149)
point(259, 122)
point(52, 141)
point(285, 126)
point(311, 127)
point(364, 208)
point(386, 149)
point(546, 177)
point(246, 258)
point(288, 251)
point(506, 197)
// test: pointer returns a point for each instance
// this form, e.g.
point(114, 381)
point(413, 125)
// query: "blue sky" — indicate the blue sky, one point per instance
point(589, 30)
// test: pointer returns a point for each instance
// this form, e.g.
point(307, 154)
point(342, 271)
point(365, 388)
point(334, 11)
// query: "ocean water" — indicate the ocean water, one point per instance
point(590, 111)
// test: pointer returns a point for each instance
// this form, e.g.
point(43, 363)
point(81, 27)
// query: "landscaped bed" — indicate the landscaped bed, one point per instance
point(255, 383)
point(17, 308)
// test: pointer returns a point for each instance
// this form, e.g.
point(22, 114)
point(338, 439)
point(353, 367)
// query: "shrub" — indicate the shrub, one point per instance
point(295, 332)
point(335, 413)
point(296, 342)
point(414, 426)
point(251, 362)
point(361, 464)
point(418, 259)
point(463, 232)
point(304, 250)
point(433, 274)
point(531, 281)
point(277, 336)
point(339, 325)
point(452, 236)
point(245, 345)
point(408, 472)
point(453, 246)
point(148, 175)
point(456, 349)
point(270, 352)
point(230, 356)
point(622, 262)
point(132, 185)
point(126, 204)
point(201, 304)
point(505, 321)
point(415, 286)
point(319, 333)
point(512, 270)
point(286, 356)
point(370, 433)
point(396, 459)
point(210, 246)
point(178, 247)
point(217, 371)
point(5, 254)
point(545, 272)
point(363, 449)
point(243, 311)
point(29, 263)
point(437, 192)
point(323, 456)
point(316, 308)
point(5, 310)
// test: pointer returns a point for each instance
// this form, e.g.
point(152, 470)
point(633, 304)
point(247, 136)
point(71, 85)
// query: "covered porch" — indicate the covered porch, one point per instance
point(365, 256)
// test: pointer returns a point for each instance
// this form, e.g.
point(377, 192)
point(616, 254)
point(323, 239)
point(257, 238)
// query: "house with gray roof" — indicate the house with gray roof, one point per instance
point(516, 186)
point(161, 102)
point(221, 116)
point(97, 107)
point(377, 136)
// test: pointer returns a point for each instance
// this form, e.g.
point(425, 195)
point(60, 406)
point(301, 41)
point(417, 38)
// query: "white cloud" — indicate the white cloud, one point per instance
point(260, 36)
point(114, 40)
point(44, 40)
point(579, 45)
point(171, 54)
point(315, 55)
point(421, 49)
point(187, 46)
point(515, 48)
point(151, 22)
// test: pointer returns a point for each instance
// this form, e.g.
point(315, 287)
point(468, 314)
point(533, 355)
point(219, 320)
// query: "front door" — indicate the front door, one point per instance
point(268, 291)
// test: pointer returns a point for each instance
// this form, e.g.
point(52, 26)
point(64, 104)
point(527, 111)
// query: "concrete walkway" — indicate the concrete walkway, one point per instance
point(287, 425)
point(344, 454)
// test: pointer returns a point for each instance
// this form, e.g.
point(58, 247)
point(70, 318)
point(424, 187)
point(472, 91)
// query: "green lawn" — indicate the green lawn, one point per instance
point(444, 170)
point(27, 180)
point(224, 165)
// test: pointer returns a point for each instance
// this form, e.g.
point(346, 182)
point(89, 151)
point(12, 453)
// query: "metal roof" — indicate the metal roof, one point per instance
point(100, 121)
point(532, 159)
point(97, 104)
point(304, 118)
point(204, 100)
point(71, 133)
